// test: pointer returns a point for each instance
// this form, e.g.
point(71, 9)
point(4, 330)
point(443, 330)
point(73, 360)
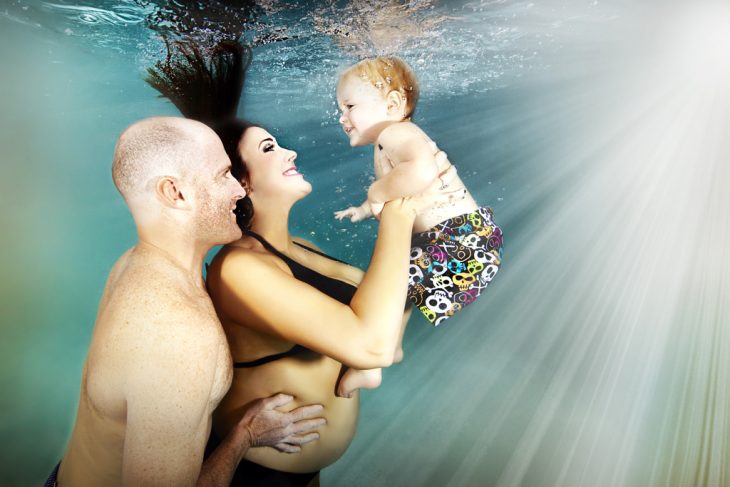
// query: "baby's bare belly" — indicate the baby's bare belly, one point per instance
point(431, 217)
point(310, 382)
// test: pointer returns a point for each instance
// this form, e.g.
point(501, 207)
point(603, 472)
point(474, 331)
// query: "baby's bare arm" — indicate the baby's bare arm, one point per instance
point(355, 213)
point(414, 164)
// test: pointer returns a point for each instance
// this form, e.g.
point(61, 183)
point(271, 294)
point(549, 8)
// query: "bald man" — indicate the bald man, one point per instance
point(159, 363)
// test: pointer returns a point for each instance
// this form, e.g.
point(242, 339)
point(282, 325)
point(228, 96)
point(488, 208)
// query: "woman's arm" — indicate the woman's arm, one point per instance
point(255, 290)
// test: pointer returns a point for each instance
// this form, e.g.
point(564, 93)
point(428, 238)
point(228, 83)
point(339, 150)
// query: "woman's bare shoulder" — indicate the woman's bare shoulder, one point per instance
point(248, 263)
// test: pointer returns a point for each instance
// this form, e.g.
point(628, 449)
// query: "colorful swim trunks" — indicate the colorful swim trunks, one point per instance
point(453, 262)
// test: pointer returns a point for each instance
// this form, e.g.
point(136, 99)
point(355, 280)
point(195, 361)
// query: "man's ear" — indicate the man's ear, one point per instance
point(168, 190)
point(396, 103)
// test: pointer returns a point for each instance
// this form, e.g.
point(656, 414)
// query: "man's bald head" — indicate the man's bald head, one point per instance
point(175, 176)
point(155, 147)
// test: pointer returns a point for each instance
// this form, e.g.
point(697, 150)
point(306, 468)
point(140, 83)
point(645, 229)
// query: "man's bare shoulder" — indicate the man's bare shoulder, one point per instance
point(148, 324)
point(147, 298)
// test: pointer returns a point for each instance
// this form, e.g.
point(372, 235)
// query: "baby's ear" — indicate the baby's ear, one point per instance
point(396, 103)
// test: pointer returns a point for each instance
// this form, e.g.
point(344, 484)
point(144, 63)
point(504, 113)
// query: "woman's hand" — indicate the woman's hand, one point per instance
point(407, 207)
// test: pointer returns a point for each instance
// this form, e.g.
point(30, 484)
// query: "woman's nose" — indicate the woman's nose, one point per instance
point(239, 191)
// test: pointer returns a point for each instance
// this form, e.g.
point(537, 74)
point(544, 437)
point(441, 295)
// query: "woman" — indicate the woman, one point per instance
point(293, 316)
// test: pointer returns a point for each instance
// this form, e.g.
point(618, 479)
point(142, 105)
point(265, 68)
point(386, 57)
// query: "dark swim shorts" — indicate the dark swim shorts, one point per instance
point(453, 262)
point(250, 474)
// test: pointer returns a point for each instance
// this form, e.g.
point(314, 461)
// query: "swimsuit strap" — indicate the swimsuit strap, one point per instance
point(295, 350)
point(320, 253)
point(339, 290)
point(283, 256)
point(266, 245)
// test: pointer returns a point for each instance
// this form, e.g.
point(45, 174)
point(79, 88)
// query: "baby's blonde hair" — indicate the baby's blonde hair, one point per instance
point(388, 73)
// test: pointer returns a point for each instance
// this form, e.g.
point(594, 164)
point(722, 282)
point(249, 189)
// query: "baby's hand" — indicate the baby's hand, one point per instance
point(354, 213)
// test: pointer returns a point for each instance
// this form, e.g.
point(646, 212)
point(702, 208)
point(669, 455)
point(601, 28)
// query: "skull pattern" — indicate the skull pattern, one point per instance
point(452, 264)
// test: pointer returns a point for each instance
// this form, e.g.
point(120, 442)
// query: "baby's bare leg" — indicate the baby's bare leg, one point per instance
point(353, 379)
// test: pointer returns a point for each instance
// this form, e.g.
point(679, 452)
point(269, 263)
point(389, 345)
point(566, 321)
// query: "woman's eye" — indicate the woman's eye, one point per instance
point(268, 147)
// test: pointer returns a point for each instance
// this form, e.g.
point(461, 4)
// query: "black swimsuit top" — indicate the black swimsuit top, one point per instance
point(334, 288)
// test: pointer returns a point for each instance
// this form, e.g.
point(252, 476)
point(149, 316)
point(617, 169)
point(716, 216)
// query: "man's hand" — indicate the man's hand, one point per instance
point(267, 426)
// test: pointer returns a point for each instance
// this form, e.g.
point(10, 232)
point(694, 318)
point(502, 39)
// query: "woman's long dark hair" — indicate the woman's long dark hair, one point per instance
point(206, 85)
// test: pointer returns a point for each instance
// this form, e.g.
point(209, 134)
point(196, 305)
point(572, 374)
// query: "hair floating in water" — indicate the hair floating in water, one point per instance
point(204, 84)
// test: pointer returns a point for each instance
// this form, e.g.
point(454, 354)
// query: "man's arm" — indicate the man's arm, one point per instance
point(168, 394)
point(261, 425)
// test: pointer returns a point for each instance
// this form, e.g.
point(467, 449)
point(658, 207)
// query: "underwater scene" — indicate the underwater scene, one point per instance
point(597, 131)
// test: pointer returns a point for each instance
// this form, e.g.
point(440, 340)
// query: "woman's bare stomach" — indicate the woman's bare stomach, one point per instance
point(311, 379)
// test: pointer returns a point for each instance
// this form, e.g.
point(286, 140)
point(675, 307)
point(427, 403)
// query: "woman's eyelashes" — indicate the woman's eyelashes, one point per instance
point(268, 147)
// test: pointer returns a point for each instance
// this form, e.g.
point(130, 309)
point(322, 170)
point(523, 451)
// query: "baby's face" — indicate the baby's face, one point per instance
point(364, 110)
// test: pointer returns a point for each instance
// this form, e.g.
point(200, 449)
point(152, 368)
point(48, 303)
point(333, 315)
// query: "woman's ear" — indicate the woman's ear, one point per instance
point(246, 186)
point(168, 190)
point(396, 103)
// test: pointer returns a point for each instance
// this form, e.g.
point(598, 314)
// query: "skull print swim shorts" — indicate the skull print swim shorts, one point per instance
point(453, 262)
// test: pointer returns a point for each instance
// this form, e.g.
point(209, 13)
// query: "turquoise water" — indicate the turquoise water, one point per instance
point(597, 132)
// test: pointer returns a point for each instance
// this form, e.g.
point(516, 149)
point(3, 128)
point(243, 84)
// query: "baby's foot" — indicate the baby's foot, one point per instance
point(398, 355)
point(354, 379)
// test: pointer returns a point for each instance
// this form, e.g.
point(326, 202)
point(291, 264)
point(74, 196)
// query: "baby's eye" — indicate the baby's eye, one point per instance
point(349, 107)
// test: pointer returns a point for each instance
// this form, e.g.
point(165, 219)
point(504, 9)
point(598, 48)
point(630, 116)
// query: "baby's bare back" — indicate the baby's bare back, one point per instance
point(446, 196)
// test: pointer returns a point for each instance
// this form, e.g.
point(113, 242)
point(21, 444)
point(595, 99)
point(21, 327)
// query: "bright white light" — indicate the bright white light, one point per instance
point(700, 43)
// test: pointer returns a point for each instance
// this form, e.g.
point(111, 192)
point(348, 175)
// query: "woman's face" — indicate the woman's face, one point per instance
point(271, 169)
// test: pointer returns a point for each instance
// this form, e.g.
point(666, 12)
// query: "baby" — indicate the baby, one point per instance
point(456, 247)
